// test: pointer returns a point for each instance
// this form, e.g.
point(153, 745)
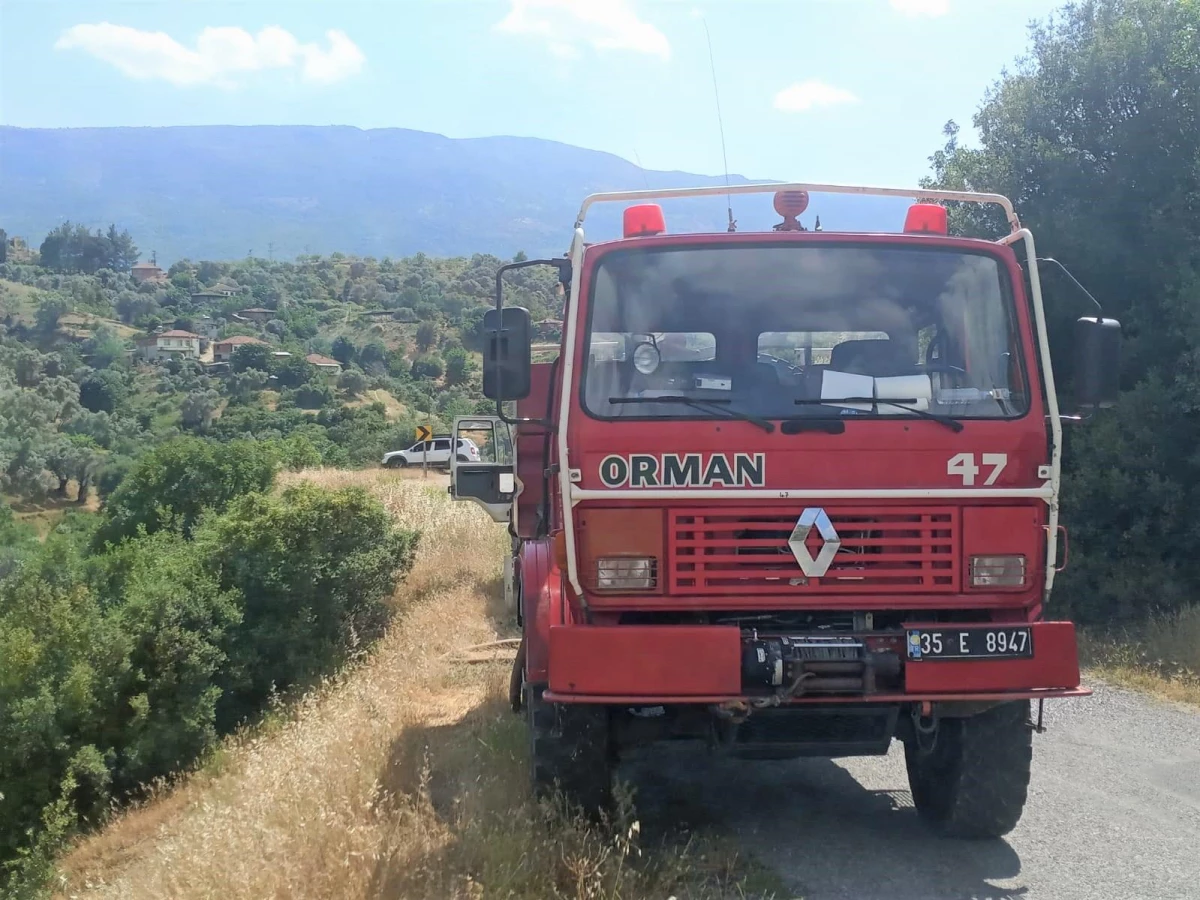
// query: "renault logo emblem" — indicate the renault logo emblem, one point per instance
point(814, 516)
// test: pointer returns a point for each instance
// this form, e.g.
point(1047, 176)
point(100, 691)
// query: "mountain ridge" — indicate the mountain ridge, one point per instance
point(224, 191)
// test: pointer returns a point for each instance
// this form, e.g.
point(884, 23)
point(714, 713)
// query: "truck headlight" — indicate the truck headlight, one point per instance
point(626, 573)
point(997, 571)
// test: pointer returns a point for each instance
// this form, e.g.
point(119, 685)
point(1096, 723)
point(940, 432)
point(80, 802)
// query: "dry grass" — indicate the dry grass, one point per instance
point(84, 325)
point(1160, 657)
point(393, 408)
point(406, 778)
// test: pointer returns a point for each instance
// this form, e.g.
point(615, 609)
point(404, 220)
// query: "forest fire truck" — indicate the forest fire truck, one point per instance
point(794, 493)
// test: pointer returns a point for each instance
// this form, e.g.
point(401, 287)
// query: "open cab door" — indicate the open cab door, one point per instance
point(490, 478)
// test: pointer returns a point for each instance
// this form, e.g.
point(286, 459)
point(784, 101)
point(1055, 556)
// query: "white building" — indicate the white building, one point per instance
point(168, 344)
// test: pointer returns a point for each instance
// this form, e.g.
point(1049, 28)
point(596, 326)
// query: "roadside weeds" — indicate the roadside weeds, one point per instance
point(1160, 657)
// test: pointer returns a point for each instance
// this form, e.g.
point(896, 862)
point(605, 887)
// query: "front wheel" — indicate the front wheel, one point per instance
point(569, 751)
point(397, 462)
point(974, 779)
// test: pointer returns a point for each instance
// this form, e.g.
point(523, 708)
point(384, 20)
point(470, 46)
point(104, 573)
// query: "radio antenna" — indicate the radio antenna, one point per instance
point(720, 125)
point(645, 180)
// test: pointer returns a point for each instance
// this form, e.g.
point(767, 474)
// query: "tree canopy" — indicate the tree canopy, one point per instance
point(72, 248)
point(1095, 138)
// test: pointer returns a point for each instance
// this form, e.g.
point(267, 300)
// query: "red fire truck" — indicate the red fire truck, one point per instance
point(794, 493)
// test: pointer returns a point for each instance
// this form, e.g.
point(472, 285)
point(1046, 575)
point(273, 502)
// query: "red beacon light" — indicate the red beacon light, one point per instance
point(790, 204)
point(644, 220)
point(926, 218)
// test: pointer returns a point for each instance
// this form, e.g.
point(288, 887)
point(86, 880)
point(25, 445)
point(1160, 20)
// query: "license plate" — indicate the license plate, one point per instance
point(991, 642)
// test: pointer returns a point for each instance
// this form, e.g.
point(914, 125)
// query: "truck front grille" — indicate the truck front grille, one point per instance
point(891, 550)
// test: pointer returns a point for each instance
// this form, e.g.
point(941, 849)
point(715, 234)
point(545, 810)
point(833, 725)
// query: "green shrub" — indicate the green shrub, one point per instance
point(166, 599)
point(182, 478)
point(122, 663)
point(314, 569)
point(63, 661)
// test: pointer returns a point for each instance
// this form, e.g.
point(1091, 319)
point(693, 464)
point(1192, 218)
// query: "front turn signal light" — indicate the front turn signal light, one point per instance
point(558, 545)
point(997, 571)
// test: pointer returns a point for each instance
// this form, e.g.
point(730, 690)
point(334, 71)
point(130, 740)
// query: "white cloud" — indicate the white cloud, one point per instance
point(806, 95)
point(220, 54)
point(565, 24)
point(921, 7)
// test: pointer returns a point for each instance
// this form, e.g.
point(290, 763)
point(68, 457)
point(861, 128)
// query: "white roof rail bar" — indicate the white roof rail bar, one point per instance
point(765, 187)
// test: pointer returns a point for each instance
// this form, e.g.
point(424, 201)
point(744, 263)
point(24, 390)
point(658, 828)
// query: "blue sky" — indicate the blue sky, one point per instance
point(816, 90)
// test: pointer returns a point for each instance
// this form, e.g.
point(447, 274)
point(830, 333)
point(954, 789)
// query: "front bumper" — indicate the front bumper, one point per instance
point(666, 664)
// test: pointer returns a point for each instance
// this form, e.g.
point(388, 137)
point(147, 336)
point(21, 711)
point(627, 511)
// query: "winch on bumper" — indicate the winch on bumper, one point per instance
point(644, 664)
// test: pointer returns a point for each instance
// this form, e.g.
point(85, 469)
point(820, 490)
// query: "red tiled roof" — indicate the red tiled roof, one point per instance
point(318, 360)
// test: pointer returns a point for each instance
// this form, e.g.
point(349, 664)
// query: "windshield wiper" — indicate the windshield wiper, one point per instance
point(716, 404)
point(952, 424)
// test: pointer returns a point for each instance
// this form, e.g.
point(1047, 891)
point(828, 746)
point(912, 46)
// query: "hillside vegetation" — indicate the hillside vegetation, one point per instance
point(404, 778)
point(78, 403)
point(148, 602)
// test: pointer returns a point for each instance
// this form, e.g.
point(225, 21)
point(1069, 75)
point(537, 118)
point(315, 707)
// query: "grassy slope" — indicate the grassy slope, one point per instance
point(406, 779)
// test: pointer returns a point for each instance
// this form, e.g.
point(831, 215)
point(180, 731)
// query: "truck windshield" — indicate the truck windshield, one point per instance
point(789, 331)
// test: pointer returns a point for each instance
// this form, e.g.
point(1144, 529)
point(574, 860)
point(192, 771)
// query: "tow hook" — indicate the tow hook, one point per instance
point(735, 711)
point(925, 726)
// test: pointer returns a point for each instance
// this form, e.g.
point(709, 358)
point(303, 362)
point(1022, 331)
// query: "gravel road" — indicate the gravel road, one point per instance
point(1113, 812)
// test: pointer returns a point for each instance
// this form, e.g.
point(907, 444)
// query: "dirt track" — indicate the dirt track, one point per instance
point(1114, 812)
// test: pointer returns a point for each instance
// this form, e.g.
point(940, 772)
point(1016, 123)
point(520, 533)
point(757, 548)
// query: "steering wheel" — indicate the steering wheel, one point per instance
point(791, 367)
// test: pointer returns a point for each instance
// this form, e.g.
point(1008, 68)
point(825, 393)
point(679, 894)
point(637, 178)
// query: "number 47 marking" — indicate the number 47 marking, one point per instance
point(964, 466)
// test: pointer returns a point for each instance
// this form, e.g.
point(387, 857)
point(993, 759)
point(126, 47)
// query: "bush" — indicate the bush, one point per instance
point(310, 396)
point(18, 541)
point(125, 665)
point(182, 478)
point(166, 599)
point(298, 452)
point(252, 356)
point(62, 660)
point(314, 569)
point(353, 383)
point(427, 367)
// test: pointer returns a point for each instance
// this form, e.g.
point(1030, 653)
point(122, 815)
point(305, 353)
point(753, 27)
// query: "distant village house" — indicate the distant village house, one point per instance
point(214, 294)
point(168, 344)
point(224, 349)
point(255, 314)
point(148, 272)
point(324, 364)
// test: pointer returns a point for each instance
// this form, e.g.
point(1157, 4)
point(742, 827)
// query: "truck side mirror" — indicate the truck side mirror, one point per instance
point(507, 353)
point(1097, 362)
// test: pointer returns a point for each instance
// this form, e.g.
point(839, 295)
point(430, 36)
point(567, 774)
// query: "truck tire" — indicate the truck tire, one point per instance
point(397, 462)
point(974, 780)
point(569, 751)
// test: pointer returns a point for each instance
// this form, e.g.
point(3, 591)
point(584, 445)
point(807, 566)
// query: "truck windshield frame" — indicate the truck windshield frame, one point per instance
point(739, 323)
